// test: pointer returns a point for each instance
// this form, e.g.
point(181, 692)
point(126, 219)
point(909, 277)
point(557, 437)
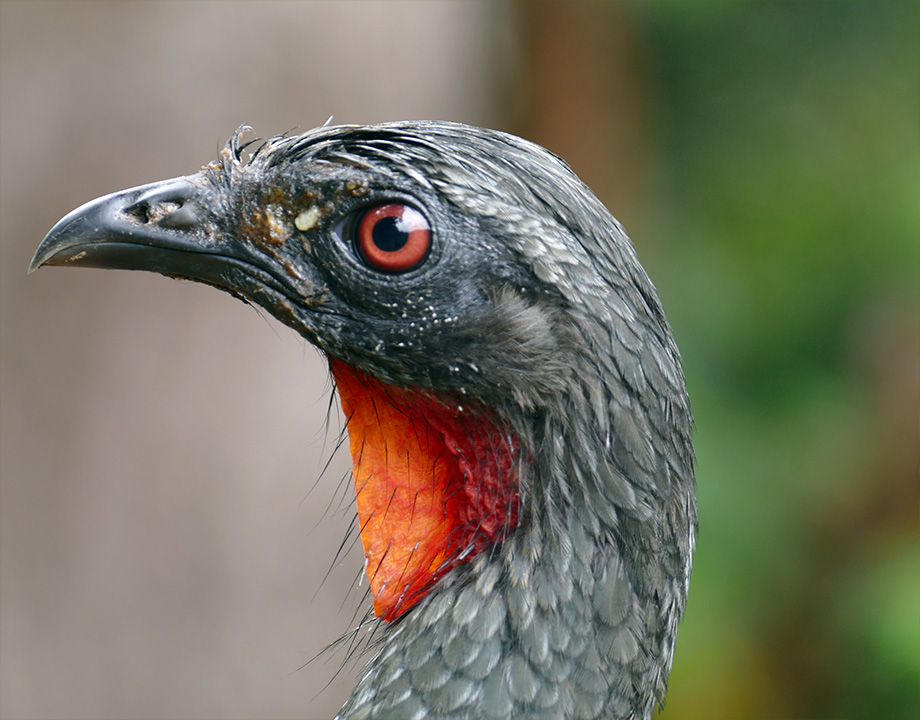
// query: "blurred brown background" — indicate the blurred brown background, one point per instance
point(164, 539)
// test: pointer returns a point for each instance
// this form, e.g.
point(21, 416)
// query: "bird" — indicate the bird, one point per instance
point(515, 403)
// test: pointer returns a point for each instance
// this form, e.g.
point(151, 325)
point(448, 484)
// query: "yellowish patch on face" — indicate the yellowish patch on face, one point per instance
point(278, 229)
point(307, 219)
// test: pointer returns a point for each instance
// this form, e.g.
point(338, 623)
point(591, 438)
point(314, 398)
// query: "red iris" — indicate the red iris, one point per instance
point(393, 238)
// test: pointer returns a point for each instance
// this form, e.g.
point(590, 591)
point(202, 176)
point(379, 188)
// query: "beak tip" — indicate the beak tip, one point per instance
point(40, 257)
point(50, 246)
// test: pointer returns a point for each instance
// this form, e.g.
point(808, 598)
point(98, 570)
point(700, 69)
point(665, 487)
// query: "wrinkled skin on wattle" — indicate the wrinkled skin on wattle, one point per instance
point(531, 302)
point(435, 484)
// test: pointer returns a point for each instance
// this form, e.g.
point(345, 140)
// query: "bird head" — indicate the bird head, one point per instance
point(501, 356)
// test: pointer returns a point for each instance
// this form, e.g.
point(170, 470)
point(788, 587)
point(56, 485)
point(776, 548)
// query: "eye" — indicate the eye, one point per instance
point(393, 238)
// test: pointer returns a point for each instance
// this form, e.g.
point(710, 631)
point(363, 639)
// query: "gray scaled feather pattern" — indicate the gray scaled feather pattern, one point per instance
point(531, 302)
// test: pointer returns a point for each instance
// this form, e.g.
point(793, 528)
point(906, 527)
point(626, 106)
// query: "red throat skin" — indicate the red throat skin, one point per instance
point(435, 484)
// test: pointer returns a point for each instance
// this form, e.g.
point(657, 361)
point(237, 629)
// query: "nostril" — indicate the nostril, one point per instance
point(138, 212)
point(156, 211)
point(152, 212)
point(165, 213)
point(165, 204)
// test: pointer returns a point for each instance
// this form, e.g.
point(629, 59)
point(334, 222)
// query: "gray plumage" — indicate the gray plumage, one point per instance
point(531, 301)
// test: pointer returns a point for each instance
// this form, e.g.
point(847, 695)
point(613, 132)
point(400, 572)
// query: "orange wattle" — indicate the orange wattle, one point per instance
point(435, 484)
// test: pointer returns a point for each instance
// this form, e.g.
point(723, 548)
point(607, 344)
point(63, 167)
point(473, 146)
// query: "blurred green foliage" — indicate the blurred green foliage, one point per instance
point(788, 174)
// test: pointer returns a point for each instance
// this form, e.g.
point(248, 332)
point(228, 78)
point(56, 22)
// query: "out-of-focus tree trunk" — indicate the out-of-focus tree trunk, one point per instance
point(583, 97)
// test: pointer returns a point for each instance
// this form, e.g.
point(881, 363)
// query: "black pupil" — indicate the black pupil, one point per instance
point(389, 234)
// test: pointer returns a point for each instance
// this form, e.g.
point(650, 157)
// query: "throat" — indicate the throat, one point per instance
point(436, 483)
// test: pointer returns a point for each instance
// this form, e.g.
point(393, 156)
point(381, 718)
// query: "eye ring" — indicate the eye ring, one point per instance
point(393, 237)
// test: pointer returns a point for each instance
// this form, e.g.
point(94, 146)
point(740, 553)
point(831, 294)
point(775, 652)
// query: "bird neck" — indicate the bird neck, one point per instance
point(572, 613)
